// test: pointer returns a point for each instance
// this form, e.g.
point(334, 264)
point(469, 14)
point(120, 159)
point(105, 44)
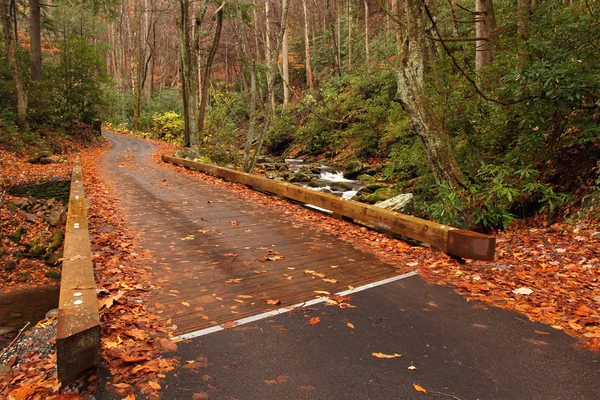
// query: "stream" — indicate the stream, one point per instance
point(328, 175)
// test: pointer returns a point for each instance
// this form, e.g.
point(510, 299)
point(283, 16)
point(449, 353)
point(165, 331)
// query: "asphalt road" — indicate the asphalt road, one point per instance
point(449, 347)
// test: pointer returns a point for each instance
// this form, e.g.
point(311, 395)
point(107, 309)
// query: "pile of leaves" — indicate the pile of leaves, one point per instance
point(134, 337)
point(560, 264)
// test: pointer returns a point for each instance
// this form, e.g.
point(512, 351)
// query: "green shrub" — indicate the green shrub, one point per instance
point(168, 126)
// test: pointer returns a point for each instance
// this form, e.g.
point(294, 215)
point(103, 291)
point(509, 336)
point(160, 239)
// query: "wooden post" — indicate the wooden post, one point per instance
point(78, 326)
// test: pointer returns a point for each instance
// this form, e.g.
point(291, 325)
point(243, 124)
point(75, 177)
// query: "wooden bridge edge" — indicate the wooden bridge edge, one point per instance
point(78, 326)
point(457, 242)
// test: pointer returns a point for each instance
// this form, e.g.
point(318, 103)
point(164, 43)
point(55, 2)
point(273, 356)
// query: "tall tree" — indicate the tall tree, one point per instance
point(285, 63)
point(35, 43)
point(11, 55)
point(415, 102)
point(367, 51)
point(218, 16)
point(310, 78)
point(485, 27)
point(524, 10)
point(334, 39)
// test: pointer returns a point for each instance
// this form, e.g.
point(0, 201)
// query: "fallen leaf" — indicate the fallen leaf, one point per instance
point(350, 325)
point(321, 292)
point(185, 303)
point(199, 396)
point(314, 321)
point(305, 389)
point(381, 355)
point(273, 302)
point(154, 385)
point(523, 290)
point(419, 388)
point(412, 368)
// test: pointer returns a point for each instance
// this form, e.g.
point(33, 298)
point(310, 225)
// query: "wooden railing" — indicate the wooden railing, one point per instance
point(78, 326)
point(457, 242)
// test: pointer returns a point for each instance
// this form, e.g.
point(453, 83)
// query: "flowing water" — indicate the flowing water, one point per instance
point(328, 175)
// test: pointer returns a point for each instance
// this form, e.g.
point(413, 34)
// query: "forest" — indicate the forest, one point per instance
point(486, 111)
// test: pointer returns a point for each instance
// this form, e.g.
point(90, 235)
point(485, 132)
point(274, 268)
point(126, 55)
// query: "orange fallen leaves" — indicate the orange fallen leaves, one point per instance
point(419, 388)
point(386, 356)
point(314, 321)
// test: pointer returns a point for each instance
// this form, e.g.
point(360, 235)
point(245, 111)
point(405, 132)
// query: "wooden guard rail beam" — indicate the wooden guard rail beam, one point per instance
point(457, 242)
point(78, 326)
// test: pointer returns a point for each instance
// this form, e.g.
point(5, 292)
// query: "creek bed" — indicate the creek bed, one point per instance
point(22, 306)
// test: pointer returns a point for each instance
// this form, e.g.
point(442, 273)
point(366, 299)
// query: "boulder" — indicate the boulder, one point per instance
point(54, 217)
point(591, 200)
point(300, 177)
point(53, 259)
point(340, 187)
point(39, 156)
point(397, 203)
point(52, 274)
point(378, 196)
point(17, 234)
point(31, 217)
point(366, 178)
point(353, 169)
point(316, 184)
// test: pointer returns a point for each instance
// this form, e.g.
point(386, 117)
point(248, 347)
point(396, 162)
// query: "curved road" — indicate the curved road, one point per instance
point(201, 238)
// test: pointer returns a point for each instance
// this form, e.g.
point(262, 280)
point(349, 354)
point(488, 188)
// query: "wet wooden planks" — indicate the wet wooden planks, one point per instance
point(211, 250)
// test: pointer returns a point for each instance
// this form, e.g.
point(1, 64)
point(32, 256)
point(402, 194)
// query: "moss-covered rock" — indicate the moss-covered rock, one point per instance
point(17, 234)
point(57, 240)
point(300, 177)
point(366, 178)
point(53, 259)
point(316, 184)
point(353, 169)
point(52, 274)
point(340, 187)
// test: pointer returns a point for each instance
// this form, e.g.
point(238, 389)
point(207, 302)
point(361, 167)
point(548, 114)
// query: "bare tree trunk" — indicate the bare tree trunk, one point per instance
point(398, 29)
point(136, 66)
point(207, 67)
point(334, 40)
point(188, 72)
point(367, 52)
point(485, 26)
point(411, 93)
point(310, 79)
point(524, 9)
point(11, 55)
point(350, 22)
point(268, 54)
point(35, 46)
point(285, 63)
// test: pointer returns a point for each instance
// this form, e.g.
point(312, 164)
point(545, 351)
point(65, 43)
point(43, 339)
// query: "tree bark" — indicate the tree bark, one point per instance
point(524, 9)
point(268, 53)
point(11, 55)
point(367, 52)
point(206, 73)
point(334, 40)
point(485, 26)
point(411, 93)
point(35, 45)
point(310, 78)
point(136, 66)
point(285, 64)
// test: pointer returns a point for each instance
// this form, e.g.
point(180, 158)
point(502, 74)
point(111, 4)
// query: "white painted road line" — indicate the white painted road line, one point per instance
point(282, 310)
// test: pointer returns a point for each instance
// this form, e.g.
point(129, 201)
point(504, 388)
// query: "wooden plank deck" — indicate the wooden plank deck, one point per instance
point(210, 247)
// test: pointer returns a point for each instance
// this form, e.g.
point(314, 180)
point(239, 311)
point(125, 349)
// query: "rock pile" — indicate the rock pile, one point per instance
point(48, 242)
